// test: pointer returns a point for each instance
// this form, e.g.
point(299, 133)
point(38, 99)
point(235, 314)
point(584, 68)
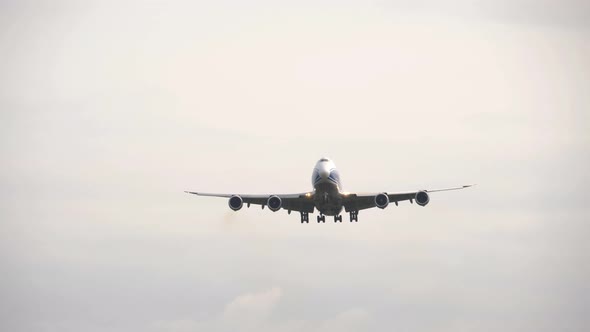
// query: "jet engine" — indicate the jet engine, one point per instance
point(274, 203)
point(236, 202)
point(381, 201)
point(422, 198)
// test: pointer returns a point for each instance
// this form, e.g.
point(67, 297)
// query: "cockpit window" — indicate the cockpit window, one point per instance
point(324, 159)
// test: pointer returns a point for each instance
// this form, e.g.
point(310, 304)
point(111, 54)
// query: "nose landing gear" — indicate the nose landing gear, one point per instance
point(321, 218)
point(338, 218)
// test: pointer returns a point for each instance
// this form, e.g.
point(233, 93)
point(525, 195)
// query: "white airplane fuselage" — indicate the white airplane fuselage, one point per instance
point(326, 182)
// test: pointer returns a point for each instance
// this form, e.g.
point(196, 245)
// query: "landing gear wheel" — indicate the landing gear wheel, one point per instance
point(304, 217)
point(321, 218)
point(338, 218)
point(354, 216)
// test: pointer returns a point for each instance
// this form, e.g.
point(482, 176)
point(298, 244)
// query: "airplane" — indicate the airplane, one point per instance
point(327, 197)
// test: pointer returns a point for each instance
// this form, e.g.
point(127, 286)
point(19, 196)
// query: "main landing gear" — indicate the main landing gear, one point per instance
point(304, 217)
point(322, 218)
point(354, 216)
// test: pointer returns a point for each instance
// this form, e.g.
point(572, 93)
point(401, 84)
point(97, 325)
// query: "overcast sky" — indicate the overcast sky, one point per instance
point(109, 110)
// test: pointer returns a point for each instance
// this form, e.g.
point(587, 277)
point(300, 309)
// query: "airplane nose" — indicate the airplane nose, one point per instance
point(324, 173)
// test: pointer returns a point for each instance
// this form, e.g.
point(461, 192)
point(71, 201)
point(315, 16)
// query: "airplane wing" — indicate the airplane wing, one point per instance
point(292, 202)
point(356, 202)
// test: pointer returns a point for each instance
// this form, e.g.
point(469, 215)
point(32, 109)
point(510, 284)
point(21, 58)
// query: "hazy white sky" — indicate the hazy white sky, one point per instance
point(109, 110)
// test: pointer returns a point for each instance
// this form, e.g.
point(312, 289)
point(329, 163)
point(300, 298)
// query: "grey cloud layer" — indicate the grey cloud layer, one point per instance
point(110, 111)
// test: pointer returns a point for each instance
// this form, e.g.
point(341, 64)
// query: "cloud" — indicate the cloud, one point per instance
point(111, 111)
point(246, 312)
point(252, 308)
point(355, 319)
point(253, 312)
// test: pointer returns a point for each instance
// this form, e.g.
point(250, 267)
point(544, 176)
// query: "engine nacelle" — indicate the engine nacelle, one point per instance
point(382, 201)
point(274, 203)
point(236, 202)
point(422, 198)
